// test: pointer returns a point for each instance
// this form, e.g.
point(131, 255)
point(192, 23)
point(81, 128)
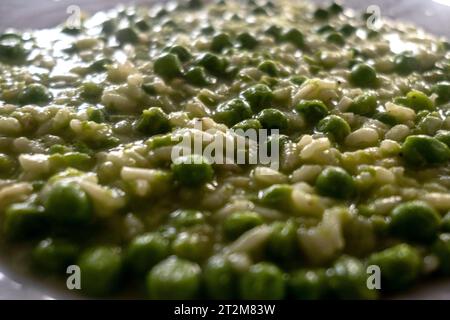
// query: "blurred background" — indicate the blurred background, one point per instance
point(432, 15)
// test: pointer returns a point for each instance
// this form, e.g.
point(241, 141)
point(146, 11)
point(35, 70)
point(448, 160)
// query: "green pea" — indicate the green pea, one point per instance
point(100, 65)
point(220, 278)
point(298, 80)
point(282, 244)
point(149, 88)
point(127, 35)
point(321, 14)
point(259, 11)
point(195, 4)
point(263, 281)
point(325, 29)
point(220, 42)
point(364, 76)
point(443, 136)
point(7, 164)
point(386, 118)
point(441, 248)
point(24, 220)
point(415, 221)
point(335, 8)
point(306, 284)
point(429, 124)
point(232, 112)
point(192, 246)
point(421, 150)
point(442, 89)
point(276, 196)
point(312, 110)
point(272, 119)
point(192, 170)
point(371, 34)
point(100, 270)
point(35, 94)
point(247, 41)
point(175, 279)
point(405, 64)
point(348, 279)
point(68, 204)
point(335, 182)
point(164, 140)
point(364, 105)
point(445, 45)
point(109, 26)
point(12, 50)
point(96, 115)
point(197, 77)
point(181, 52)
point(71, 30)
point(259, 97)
point(239, 222)
point(91, 91)
point(213, 64)
point(250, 124)
point(275, 32)
point(400, 266)
point(336, 38)
point(295, 37)
point(419, 101)
point(52, 255)
point(78, 160)
point(347, 30)
point(142, 25)
point(146, 250)
point(445, 223)
point(186, 218)
point(153, 121)
point(208, 29)
point(58, 148)
point(168, 66)
point(335, 127)
point(269, 67)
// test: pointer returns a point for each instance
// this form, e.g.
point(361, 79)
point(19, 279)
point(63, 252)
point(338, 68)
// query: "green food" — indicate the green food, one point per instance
point(153, 121)
point(415, 221)
point(220, 278)
point(364, 76)
point(240, 222)
point(400, 266)
point(53, 255)
point(68, 205)
point(334, 126)
point(313, 111)
point(100, 269)
point(306, 284)
point(226, 150)
point(263, 281)
point(233, 112)
point(423, 150)
point(192, 170)
point(335, 182)
point(174, 278)
point(272, 119)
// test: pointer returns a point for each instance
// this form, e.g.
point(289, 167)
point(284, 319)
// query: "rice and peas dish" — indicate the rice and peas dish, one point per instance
point(90, 116)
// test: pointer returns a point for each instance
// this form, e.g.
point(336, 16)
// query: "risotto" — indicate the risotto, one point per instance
point(90, 115)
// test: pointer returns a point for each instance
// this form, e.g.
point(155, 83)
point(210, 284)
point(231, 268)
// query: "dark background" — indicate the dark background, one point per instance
point(432, 15)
